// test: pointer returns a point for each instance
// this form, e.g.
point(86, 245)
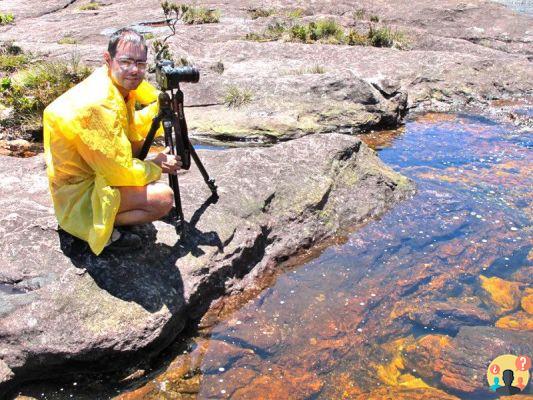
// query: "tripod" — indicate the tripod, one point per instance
point(177, 140)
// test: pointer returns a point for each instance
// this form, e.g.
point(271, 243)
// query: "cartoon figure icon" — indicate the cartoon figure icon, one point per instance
point(508, 378)
point(508, 374)
point(496, 384)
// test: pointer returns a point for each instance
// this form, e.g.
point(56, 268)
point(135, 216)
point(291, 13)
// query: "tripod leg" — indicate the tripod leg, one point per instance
point(210, 182)
point(177, 200)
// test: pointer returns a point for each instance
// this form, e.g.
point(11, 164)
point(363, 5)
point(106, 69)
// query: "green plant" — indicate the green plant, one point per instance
point(273, 32)
point(354, 38)
point(237, 97)
point(385, 37)
point(326, 30)
point(5, 83)
point(148, 35)
point(67, 40)
point(295, 13)
point(12, 57)
point(374, 18)
point(260, 12)
point(162, 49)
point(6, 19)
point(90, 6)
point(200, 15)
point(31, 89)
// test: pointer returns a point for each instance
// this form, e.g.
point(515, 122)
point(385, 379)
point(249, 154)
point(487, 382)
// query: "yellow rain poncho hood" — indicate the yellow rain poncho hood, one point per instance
point(87, 141)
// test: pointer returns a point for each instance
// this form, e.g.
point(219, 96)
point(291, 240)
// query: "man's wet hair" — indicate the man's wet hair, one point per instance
point(127, 35)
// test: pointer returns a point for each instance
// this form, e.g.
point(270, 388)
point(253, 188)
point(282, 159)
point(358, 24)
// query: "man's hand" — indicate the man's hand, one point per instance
point(169, 163)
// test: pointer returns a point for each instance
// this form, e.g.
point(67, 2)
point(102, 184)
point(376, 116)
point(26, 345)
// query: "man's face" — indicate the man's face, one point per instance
point(128, 67)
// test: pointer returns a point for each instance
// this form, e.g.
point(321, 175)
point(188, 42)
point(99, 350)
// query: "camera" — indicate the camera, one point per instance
point(168, 77)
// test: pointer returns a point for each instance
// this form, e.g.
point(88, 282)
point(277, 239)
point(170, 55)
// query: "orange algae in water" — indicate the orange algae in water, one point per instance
point(505, 294)
point(520, 321)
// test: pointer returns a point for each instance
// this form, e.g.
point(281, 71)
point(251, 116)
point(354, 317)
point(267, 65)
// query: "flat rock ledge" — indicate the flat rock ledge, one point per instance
point(63, 310)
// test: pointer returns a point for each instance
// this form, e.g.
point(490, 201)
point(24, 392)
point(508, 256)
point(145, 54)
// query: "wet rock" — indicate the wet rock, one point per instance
point(63, 307)
point(502, 294)
point(527, 301)
point(447, 315)
point(281, 383)
point(399, 393)
point(520, 321)
point(460, 363)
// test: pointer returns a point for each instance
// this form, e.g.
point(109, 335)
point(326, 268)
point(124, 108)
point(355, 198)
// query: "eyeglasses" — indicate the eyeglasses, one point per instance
point(128, 63)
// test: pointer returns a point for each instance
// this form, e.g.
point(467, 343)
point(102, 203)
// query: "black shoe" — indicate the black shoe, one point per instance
point(124, 239)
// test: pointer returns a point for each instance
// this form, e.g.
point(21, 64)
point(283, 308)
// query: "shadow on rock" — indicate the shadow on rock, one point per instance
point(139, 275)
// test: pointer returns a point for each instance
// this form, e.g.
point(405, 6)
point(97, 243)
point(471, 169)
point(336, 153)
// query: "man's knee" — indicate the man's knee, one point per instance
point(162, 199)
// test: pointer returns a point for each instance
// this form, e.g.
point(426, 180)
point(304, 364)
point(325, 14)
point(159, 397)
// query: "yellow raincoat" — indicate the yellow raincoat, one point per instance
point(87, 141)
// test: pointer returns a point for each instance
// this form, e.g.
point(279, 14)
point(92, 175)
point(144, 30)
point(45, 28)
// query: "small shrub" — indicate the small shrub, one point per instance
point(30, 90)
point(237, 97)
point(273, 32)
point(6, 19)
point(162, 49)
point(374, 18)
point(354, 38)
point(12, 57)
point(91, 6)
point(328, 31)
point(200, 15)
point(260, 12)
point(385, 37)
point(148, 35)
point(67, 40)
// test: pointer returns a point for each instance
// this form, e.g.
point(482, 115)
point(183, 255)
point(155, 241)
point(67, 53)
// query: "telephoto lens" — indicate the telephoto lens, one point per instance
point(168, 77)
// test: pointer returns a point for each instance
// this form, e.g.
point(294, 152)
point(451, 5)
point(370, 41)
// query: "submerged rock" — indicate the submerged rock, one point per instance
point(64, 310)
point(460, 363)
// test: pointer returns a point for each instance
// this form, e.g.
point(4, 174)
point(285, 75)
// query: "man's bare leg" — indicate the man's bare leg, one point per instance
point(142, 204)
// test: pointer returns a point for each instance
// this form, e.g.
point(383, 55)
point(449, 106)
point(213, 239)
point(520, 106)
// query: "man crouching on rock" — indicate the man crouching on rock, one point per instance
point(92, 134)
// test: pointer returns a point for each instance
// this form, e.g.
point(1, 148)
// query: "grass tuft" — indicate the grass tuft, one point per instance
point(385, 37)
point(237, 97)
point(273, 32)
point(328, 31)
point(6, 19)
point(12, 57)
point(295, 13)
point(200, 15)
point(331, 32)
point(29, 90)
point(90, 6)
point(256, 13)
point(67, 40)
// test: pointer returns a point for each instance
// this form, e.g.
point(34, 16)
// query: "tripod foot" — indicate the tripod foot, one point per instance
point(213, 187)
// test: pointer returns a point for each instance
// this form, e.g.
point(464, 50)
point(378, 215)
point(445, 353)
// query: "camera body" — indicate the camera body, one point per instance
point(168, 77)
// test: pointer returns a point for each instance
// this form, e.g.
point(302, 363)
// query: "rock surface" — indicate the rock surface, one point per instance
point(61, 308)
point(457, 54)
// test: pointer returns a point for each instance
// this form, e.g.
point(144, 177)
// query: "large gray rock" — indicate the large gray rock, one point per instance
point(62, 308)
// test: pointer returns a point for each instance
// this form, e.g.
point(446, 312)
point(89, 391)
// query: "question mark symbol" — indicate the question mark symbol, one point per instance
point(495, 369)
point(523, 363)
